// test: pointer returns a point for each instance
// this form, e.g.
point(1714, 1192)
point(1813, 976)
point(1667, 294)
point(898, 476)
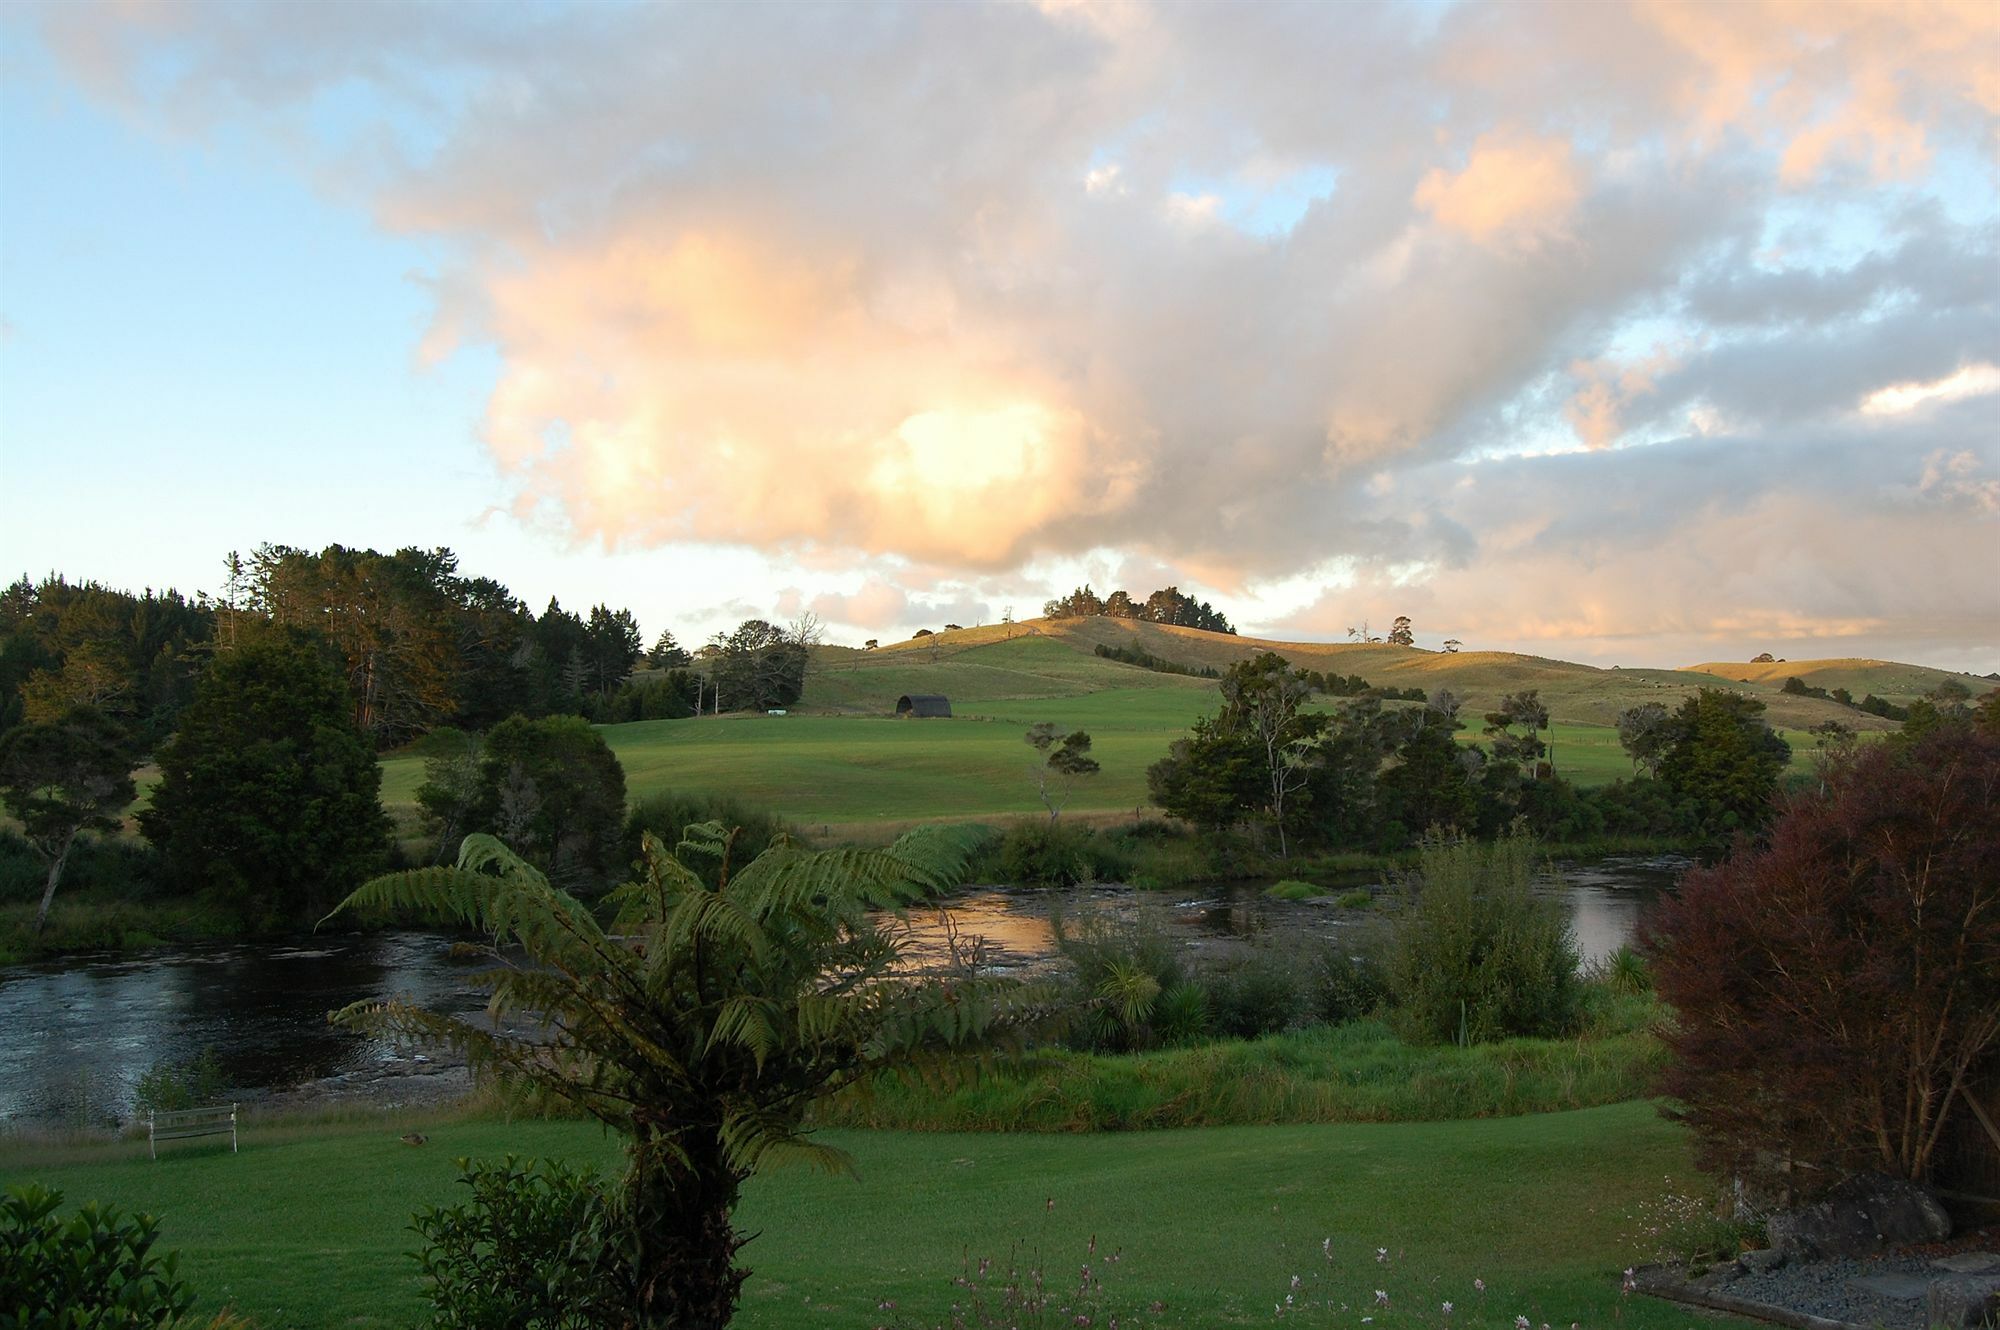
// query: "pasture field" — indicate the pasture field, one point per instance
point(858, 769)
point(841, 758)
point(307, 1229)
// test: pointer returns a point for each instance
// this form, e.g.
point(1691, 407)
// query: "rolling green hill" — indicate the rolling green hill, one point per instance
point(842, 757)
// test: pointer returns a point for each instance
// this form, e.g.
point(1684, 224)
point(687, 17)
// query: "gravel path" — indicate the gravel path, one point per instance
point(1827, 1288)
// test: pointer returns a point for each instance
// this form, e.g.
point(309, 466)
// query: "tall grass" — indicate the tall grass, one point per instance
point(1358, 1072)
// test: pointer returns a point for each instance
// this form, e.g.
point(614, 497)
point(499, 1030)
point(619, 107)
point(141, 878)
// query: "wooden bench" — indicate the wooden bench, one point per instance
point(181, 1124)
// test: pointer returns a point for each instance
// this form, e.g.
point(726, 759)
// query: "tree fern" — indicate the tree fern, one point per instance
point(704, 1022)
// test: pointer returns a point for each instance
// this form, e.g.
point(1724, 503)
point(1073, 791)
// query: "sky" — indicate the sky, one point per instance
point(1644, 333)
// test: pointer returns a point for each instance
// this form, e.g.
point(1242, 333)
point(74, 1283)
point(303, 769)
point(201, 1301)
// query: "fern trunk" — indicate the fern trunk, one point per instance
point(684, 1256)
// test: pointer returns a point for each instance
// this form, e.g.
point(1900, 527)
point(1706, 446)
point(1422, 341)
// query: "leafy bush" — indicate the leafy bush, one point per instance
point(107, 867)
point(668, 815)
point(169, 1086)
point(1834, 988)
point(1291, 889)
point(1059, 854)
point(1347, 985)
point(1475, 955)
point(95, 1270)
point(1263, 991)
point(1358, 899)
point(532, 1248)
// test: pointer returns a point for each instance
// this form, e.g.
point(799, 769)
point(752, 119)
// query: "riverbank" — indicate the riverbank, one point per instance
point(1210, 1225)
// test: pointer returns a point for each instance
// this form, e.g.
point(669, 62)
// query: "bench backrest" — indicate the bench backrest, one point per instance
point(184, 1123)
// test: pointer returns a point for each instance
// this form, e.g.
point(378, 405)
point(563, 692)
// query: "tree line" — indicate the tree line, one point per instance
point(1164, 606)
point(419, 646)
point(1365, 775)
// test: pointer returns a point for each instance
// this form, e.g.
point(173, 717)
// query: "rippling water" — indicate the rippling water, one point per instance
point(75, 1037)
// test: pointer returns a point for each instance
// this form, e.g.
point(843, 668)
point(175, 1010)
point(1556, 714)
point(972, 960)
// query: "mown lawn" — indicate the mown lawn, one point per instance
point(308, 1230)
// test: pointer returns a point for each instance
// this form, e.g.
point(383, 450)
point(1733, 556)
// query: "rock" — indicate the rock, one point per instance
point(1860, 1217)
point(415, 1138)
point(1969, 1263)
point(1963, 1301)
point(1762, 1261)
point(1894, 1287)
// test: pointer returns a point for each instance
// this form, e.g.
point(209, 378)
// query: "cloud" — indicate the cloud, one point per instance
point(946, 293)
point(1514, 187)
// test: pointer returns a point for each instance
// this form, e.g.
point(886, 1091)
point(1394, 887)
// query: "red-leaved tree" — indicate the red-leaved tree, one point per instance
point(1835, 988)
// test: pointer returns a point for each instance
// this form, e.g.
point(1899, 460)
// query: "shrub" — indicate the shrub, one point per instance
point(1347, 985)
point(1263, 991)
point(532, 1248)
point(1122, 984)
point(96, 1269)
point(1057, 854)
point(668, 815)
point(1291, 889)
point(1358, 899)
point(1475, 954)
point(1835, 988)
point(168, 1086)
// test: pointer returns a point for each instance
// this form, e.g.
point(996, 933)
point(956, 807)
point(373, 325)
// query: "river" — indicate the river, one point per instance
point(77, 1035)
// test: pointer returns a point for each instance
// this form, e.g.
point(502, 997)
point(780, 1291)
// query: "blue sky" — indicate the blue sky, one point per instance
point(1546, 326)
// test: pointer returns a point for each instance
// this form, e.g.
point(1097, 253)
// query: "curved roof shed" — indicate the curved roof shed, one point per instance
point(923, 704)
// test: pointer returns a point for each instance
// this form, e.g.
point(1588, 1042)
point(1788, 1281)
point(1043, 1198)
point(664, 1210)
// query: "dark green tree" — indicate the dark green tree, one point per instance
point(702, 1024)
point(667, 654)
point(554, 792)
point(613, 647)
point(1724, 760)
point(1065, 759)
point(268, 798)
point(1211, 778)
point(1523, 711)
point(1431, 784)
point(60, 779)
point(759, 666)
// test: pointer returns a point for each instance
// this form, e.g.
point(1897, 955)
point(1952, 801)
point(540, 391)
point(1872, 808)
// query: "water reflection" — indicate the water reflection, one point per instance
point(75, 1038)
point(1605, 898)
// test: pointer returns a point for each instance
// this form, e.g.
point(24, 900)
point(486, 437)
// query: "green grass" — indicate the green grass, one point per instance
point(860, 768)
point(1352, 1073)
point(308, 1229)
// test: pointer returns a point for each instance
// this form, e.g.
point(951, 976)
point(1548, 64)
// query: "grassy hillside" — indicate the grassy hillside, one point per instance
point(1885, 678)
point(842, 757)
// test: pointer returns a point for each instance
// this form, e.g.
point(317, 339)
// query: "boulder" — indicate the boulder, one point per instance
point(1860, 1217)
point(1963, 1302)
point(1761, 1262)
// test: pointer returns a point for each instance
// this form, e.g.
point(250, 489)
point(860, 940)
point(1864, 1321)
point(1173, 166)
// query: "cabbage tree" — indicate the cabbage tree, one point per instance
point(702, 1022)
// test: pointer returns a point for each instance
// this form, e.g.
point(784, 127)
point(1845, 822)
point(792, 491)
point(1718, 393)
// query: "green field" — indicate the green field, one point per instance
point(841, 758)
point(307, 1229)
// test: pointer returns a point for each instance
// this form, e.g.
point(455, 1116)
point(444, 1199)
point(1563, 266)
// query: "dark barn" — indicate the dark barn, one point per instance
point(923, 704)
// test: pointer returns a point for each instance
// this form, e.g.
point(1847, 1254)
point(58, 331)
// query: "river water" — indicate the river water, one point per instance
point(76, 1036)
